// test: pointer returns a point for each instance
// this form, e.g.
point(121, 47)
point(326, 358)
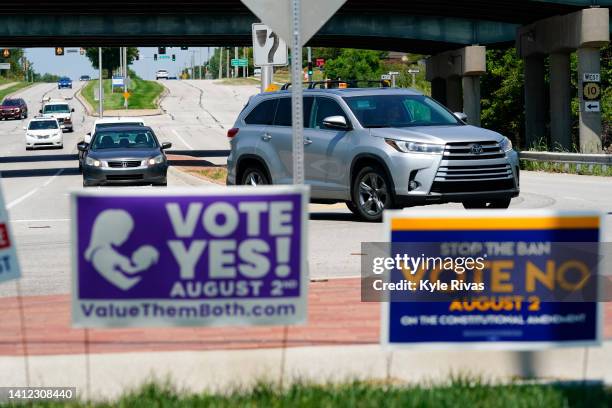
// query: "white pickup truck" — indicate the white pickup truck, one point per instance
point(60, 110)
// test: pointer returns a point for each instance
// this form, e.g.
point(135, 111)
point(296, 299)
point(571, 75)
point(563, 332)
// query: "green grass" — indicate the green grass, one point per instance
point(459, 393)
point(144, 94)
point(11, 89)
point(571, 168)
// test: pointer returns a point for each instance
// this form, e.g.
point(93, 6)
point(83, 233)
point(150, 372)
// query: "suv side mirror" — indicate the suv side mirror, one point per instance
point(336, 122)
point(461, 116)
point(166, 145)
point(82, 146)
point(72, 110)
point(40, 111)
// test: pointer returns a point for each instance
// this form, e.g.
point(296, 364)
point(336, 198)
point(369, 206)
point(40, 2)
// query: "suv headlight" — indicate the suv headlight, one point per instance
point(415, 147)
point(156, 160)
point(93, 162)
point(505, 145)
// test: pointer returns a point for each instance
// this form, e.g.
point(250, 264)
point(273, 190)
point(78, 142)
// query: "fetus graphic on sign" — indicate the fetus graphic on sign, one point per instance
point(112, 229)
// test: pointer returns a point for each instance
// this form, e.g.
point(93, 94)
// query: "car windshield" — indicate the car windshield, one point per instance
point(380, 111)
point(100, 126)
point(124, 139)
point(56, 109)
point(11, 102)
point(43, 125)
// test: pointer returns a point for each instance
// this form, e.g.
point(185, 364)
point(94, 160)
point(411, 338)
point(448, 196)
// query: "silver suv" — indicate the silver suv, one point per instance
point(374, 148)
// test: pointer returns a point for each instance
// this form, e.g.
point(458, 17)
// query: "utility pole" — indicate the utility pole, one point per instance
point(125, 77)
point(227, 66)
point(236, 67)
point(220, 62)
point(101, 88)
point(200, 62)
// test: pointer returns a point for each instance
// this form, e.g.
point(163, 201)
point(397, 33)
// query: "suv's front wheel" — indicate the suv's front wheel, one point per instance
point(371, 193)
point(498, 203)
point(254, 176)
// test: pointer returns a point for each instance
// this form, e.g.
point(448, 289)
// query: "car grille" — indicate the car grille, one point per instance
point(122, 177)
point(124, 163)
point(466, 169)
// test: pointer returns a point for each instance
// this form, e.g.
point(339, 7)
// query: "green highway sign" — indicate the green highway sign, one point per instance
point(164, 57)
point(240, 62)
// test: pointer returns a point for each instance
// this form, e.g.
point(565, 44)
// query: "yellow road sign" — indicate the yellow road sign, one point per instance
point(272, 88)
point(126, 95)
point(591, 90)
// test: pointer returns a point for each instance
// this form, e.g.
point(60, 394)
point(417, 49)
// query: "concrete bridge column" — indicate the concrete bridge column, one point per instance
point(471, 98)
point(455, 79)
point(560, 102)
point(589, 61)
point(535, 100)
point(584, 31)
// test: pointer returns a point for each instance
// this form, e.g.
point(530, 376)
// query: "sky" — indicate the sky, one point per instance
point(74, 65)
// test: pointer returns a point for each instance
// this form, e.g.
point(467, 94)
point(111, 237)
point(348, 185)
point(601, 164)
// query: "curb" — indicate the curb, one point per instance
point(190, 179)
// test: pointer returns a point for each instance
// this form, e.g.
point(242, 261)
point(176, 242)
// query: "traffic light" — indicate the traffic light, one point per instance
point(137, 56)
point(310, 68)
point(184, 48)
point(59, 51)
point(161, 50)
point(173, 57)
point(6, 53)
point(154, 57)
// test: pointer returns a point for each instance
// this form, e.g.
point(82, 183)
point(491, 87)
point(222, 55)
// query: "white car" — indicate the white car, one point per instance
point(44, 132)
point(161, 74)
point(59, 109)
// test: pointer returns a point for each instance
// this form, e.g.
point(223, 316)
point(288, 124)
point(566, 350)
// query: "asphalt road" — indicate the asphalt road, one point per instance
point(36, 186)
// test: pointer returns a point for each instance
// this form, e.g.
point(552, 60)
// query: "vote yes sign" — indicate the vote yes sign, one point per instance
point(196, 257)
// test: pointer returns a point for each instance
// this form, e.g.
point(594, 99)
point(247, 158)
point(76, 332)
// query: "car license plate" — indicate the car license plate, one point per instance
point(43, 137)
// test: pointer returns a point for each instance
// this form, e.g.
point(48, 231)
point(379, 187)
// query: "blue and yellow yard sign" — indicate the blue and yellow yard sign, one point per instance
point(511, 279)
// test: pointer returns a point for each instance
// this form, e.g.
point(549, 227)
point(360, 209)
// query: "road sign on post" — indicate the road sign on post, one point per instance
point(268, 48)
point(239, 62)
point(5, 65)
point(297, 22)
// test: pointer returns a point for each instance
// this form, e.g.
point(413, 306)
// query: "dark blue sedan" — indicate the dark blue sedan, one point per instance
point(64, 82)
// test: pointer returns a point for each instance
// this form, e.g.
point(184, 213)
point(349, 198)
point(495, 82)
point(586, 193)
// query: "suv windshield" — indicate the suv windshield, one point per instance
point(378, 111)
point(43, 125)
point(11, 102)
point(56, 109)
point(127, 139)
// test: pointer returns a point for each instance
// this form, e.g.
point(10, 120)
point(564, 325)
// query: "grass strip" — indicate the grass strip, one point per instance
point(144, 94)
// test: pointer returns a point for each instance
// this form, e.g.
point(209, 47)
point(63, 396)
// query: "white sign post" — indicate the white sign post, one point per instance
point(5, 65)
point(296, 21)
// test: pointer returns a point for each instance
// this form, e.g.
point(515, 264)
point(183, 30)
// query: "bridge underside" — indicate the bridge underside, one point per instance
point(422, 26)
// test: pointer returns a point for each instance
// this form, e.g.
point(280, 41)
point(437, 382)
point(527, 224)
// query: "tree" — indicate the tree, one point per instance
point(355, 64)
point(502, 97)
point(110, 58)
point(16, 71)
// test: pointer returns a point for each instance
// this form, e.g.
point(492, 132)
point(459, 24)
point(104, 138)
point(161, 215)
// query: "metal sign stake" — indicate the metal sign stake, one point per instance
point(296, 95)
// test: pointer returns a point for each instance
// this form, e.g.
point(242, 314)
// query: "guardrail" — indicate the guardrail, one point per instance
point(568, 158)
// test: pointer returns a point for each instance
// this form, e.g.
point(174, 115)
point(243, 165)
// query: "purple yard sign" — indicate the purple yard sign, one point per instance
point(207, 257)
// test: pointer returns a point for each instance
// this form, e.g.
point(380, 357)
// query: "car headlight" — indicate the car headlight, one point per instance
point(415, 147)
point(505, 145)
point(156, 160)
point(93, 162)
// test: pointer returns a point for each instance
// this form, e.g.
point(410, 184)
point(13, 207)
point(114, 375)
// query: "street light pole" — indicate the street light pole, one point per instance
point(220, 62)
point(101, 88)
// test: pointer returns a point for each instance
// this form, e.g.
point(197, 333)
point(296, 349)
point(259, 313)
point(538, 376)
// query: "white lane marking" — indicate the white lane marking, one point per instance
point(33, 191)
point(181, 139)
point(22, 198)
point(46, 183)
point(45, 220)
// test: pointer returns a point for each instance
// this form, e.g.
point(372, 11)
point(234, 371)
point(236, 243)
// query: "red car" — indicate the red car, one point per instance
point(13, 109)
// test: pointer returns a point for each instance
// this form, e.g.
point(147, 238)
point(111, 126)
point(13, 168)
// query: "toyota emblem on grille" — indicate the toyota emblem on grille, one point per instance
point(125, 164)
point(476, 148)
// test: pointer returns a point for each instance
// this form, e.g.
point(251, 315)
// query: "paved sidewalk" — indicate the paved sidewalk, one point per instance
point(7, 85)
point(336, 317)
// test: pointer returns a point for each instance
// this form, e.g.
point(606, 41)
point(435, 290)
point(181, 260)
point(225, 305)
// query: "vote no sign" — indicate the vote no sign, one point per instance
point(189, 258)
